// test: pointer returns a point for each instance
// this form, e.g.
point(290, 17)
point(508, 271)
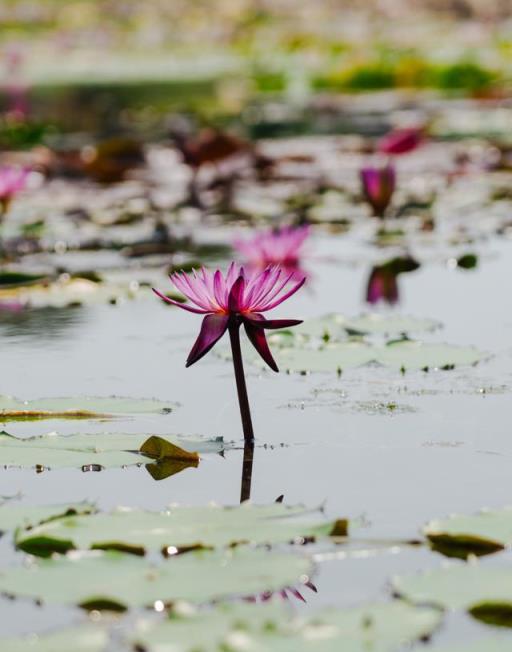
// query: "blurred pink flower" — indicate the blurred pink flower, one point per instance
point(378, 187)
point(11, 305)
point(281, 246)
point(400, 141)
point(12, 181)
point(229, 301)
point(15, 89)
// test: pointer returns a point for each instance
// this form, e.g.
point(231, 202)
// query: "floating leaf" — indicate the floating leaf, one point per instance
point(411, 354)
point(70, 293)
point(27, 516)
point(401, 354)
point(178, 528)
point(12, 409)
point(467, 261)
point(103, 450)
point(82, 638)
point(114, 580)
point(12, 279)
point(161, 449)
point(375, 627)
point(335, 326)
point(486, 592)
point(332, 357)
point(482, 645)
point(483, 533)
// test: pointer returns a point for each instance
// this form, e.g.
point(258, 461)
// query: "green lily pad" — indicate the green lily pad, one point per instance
point(335, 326)
point(117, 581)
point(485, 592)
point(332, 357)
point(482, 645)
point(13, 279)
point(70, 293)
point(483, 533)
point(27, 516)
point(411, 354)
point(82, 638)
point(401, 354)
point(178, 528)
point(101, 450)
point(375, 627)
point(12, 409)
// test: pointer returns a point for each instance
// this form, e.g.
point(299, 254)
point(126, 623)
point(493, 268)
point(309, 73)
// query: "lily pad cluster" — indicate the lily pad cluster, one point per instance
point(162, 456)
point(178, 528)
point(215, 556)
point(380, 626)
point(101, 561)
point(335, 343)
point(100, 451)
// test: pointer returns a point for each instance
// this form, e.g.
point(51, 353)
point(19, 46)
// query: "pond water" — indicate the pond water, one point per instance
point(390, 451)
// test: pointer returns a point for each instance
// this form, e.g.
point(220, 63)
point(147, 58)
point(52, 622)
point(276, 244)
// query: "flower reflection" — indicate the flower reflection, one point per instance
point(382, 283)
point(286, 593)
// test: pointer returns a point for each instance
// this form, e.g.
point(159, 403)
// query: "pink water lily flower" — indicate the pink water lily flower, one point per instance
point(281, 246)
point(400, 141)
point(12, 181)
point(230, 300)
point(378, 187)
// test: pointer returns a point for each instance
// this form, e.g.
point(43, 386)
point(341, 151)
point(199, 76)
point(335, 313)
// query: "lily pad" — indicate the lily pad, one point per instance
point(12, 409)
point(13, 279)
point(332, 357)
point(68, 293)
point(27, 516)
point(401, 354)
point(485, 592)
point(411, 354)
point(114, 580)
point(483, 533)
point(178, 528)
point(375, 627)
point(101, 450)
point(483, 645)
point(82, 638)
point(335, 326)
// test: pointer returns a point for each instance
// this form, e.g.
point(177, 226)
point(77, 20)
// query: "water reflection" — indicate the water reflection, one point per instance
point(383, 284)
point(42, 324)
point(247, 464)
point(162, 469)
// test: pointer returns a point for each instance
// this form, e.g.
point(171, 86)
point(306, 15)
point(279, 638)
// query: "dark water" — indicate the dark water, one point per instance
point(321, 440)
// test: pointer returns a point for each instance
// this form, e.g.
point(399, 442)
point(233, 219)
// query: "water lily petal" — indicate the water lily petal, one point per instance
point(258, 320)
point(285, 296)
point(183, 285)
point(257, 337)
point(236, 295)
point(212, 329)
point(184, 306)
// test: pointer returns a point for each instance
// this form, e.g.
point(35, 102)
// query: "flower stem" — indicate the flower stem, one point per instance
point(243, 400)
